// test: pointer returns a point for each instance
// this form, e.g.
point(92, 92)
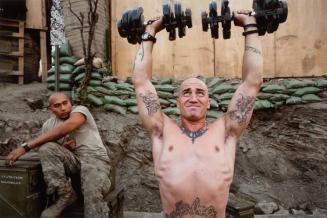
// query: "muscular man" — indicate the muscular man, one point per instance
point(193, 160)
point(71, 144)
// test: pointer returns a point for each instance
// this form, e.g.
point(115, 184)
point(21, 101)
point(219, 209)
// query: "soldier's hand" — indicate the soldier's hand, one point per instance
point(14, 155)
point(242, 18)
point(70, 144)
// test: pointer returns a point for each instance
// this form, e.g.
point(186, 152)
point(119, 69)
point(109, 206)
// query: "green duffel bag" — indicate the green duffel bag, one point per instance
point(165, 81)
point(95, 100)
point(215, 114)
point(130, 102)
point(306, 90)
point(114, 100)
point(279, 97)
point(78, 70)
point(125, 86)
point(164, 102)
point(62, 87)
point(223, 88)
point(274, 88)
point(65, 50)
point(165, 95)
point(115, 108)
point(213, 103)
point(102, 90)
point(171, 111)
point(222, 97)
point(110, 85)
point(263, 104)
point(95, 83)
point(68, 60)
point(311, 98)
point(133, 109)
point(265, 96)
point(322, 83)
point(293, 84)
point(165, 88)
point(63, 78)
point(215, 81)
point(293, 100)
point(224, 104)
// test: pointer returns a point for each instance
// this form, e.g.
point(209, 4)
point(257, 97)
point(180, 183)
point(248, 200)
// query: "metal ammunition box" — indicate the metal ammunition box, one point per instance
point(239, 208)
point(22, 190)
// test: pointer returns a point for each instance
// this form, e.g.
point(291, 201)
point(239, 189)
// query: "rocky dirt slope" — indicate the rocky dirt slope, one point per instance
point(281, 159)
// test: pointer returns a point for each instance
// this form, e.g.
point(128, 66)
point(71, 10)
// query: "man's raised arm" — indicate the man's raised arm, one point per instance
point(241, 106)
point(146, 95)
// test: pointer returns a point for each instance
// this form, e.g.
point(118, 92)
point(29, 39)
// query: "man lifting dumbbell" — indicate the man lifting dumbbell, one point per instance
point(193, 160)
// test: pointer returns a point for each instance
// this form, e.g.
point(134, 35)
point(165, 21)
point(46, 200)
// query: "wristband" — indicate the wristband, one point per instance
point(25, 146)
point(245, 33)
point(250, 25)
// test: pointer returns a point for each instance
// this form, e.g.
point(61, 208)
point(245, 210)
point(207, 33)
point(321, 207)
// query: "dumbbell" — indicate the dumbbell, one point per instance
point(132, 24)
point(268, 13)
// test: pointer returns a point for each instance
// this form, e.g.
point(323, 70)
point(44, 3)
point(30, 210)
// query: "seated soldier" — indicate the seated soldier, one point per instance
point(71, 144)
point(193, 160)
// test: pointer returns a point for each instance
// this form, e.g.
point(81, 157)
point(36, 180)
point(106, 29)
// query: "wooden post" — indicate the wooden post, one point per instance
point(43, 51)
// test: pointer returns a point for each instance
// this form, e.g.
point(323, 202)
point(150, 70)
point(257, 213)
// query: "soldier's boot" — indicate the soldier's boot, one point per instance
point(66, 197)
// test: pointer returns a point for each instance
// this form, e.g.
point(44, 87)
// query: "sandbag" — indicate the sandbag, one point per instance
point(293, 100)
point(171, 111)
point(63, 69)
point(166, 95)
point(278, 104)
point(213, 103)
point(172, 101)
point(215, 114)
point(96, 75)
point(78, 70)
point(90, 89)
point(95, 100)
point(165, 88)
point(103, 71)
point(309, 83)
point(306, 90)
point(102, 90)
point(224, 104)
point(95, 83)
point(79, 78)
point(65, 49)
point(262, 104)
point(274, 88)
point(125, 86)
point(265, 96)
point(133, 109)
point(215, 81)
point(293, 84)
point(130, 102)
point(322, 83)
point(68, 60)
point(114, 100)
point(110, 85)
point(222, 97)
point(63, 78)
point(279, 97)
point(164, 102)
point(62, 87)
point(115, 108)
point(165, 81)
point(311, 98)
point(223, 88)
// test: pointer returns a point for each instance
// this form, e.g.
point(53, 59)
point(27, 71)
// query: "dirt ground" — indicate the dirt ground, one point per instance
point(281, 158)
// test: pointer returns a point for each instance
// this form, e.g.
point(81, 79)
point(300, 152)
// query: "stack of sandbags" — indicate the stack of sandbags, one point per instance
point(66, 68)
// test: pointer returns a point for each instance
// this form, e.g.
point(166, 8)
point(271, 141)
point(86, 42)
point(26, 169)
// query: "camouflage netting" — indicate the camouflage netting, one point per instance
point(119, 96)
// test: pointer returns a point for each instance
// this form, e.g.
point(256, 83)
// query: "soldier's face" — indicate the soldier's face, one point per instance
point(193, 99)
point(61, 106)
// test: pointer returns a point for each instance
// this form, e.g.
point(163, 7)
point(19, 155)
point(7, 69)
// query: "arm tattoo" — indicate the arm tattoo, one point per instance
point(140, 55)
point(252, 49)
point(182, 209)
point(244, 107)
point(151, 102)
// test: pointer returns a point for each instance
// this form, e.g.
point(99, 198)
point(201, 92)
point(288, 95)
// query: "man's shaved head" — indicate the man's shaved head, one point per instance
point(192, 81)
point(54, 96)
point(60, 105)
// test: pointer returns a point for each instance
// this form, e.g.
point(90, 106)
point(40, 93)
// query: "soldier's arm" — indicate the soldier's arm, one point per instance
point(241, 106)
point(146, 95)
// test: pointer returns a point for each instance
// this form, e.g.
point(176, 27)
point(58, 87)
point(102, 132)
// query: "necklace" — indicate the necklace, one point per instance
point(195, 134)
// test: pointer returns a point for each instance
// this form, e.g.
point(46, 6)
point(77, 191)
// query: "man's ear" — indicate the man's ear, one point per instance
point(209, 102)
point(177, 102)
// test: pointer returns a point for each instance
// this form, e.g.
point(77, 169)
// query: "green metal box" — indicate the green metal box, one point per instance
point(239, 208)
point(21, 188)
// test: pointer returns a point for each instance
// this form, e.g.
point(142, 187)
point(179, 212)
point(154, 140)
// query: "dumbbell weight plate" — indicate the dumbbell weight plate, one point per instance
point(284, 6)
point(273, 24)
point(205, 25)
point(168, 16)
point(188, 17)
point(227, 19)
point(179, 14)
point(212, 16)
point(213, 9)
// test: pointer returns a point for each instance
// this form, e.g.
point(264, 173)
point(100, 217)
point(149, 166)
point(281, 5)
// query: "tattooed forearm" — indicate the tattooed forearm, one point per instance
point(244, 106)
point(151, 102)
point(252, 49)
point(140, 55)
point(182, 209)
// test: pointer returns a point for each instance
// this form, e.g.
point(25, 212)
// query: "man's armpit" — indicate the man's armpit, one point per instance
point(244, 105)
point(151, 102)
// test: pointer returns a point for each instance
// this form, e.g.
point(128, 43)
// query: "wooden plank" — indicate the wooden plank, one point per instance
point(43, 54)
point(301, 41)
point(12, 54)
point(11, 72)
point(35, 16)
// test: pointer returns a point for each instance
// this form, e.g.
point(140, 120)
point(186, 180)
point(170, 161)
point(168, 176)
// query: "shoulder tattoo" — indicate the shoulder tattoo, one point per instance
point(151, 102)
point(182, 209)
point(244, 106)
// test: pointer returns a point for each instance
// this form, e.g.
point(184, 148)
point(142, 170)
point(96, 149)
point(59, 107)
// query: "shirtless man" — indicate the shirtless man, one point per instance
point(193, 160)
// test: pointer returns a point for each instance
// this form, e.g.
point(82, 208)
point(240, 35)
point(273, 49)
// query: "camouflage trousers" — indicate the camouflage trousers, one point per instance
point(58, 163)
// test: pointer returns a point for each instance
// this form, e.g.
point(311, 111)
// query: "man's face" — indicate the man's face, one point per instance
point(193, 99)
point(60, 105)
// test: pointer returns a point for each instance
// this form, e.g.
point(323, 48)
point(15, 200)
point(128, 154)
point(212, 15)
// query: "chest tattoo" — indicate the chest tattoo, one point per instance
point(193, 135)
point(183, 209)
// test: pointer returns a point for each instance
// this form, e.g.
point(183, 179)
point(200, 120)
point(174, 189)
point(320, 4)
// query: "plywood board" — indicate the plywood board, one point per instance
point(36, 14)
